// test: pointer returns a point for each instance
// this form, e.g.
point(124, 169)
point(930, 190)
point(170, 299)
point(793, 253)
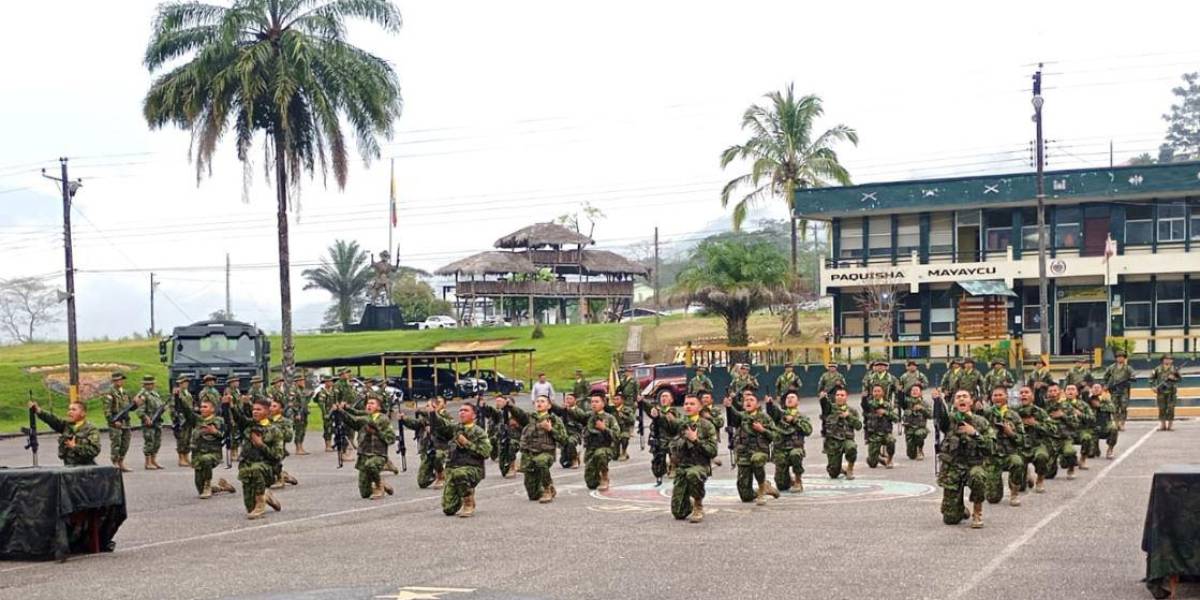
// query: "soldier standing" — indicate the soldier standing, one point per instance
point(237, 402)
point(1118, 378)
point(324, 400)
point(830, 381)
point(261, 446)
point(743, 381)
point(465, 462)
point(343, 392)
point(700, 382)
point(714, 416)
point(840, 425)
point(878, 375)
point(629, 388)
point(877, 422)
point(751, 448)
point(788, 451)
point(1010, 439)
point(910, 377)
point(1080, 375)
point(541, 432)
point(694, 447)
point(180, 425)
point(375, 437)
point(787, 382)
point(949, 383)
point(298, 405)
point(580, 386)
point(1040, 380)
point(916, 423)
point(999, 376)
point(971, 380)
point(966, 448)
point(599, 440)
point(78, 440)
point(1164, 379)
point(148, 402)
point(626, 420)
point(1040, 436)
point(283, 426)
point(116, 401)
point(1106, 419)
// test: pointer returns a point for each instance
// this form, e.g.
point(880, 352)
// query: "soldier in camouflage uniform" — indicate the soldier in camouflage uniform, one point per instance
point(714, 414)
point(626, 420)
point(878, 420)
point(949, 383)
point(751, 449)
point(208, 437)
point(971, 380)
point(261, 447)
point(667, 412)
point(375, 436)
point(433, 445)
point(1010, 440)
point(879, 375)
point(965, 450)
point(916, 422)
point(599, 441)
point(787, 382)
point(541, 432)
point(148, 402)
point(1106, 419)
point(840, 425)
point(465, 462)
point(297, 404)
point(343, 392)
point(1118, 378)
point(283, 425)
point(1040, 435)
point(119, 433)
point(238, 402)
point(999, 376)
point(1085, 432)
point(324, 399)
point(910, 377)
point(580, 387)
point(629, 388)
point(788, 451)
point(1164, 380)
point(694, 447)
point(508, 434)
point(1040, 380)
point(700, 382)
point(829, 382)
point(742, 381)
point(1062, 412)
point(78, 440)
point(574, 419)
point(1081, 376)
point(180, 425)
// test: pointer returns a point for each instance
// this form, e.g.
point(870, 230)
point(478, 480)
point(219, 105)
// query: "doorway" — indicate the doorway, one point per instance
point(1081, 327)
point(967, 228)
point(1095, 230)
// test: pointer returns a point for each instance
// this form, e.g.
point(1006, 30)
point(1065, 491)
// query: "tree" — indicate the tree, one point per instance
point(25, 305)
point(589, 212)
point(417, 299)
point(879, 299)
point(1142, 160)
point(733, 278)
point(221, 315)
point(1183, 122)
point(344, 273)
point(282, 68)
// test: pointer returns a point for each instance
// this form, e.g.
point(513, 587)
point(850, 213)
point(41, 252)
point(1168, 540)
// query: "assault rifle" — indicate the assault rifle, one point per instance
point(401, 449)
point(641, 428)
point(227, 416)
point(177, 420)
point(480, 416)
point(730, 428)
point(341, 440)
point(941, 423)
point(658, 449)
point(122, 415)
point(156, 418)
point(32, 443)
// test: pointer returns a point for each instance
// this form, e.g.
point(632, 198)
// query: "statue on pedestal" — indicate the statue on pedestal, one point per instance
point(379, 292)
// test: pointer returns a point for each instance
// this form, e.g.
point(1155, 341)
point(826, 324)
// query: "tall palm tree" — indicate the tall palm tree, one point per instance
point(282, 68)
point(345, 273)
point(785, 155)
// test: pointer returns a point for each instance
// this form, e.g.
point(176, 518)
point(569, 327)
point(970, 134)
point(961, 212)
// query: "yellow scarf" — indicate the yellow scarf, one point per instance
point(694, 418)
point(1004, 411)
point(264, 422)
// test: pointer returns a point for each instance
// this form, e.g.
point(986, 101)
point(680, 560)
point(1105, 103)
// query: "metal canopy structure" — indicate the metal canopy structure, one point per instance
point(453, 359)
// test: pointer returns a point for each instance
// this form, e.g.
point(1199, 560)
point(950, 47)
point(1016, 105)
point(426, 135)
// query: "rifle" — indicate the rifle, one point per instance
point(400, 447)
point(32, 443)
point(176, 421)
point(479, 414)
point(658, 449)
point(641, 428)
point(156, 418)
point(122, 415)
point(227, 416)
point(941, 422)
point(340, 440)
point(505, 431)
point(730, 416)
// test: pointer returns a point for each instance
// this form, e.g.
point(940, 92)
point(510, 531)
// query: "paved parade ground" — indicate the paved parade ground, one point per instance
point(880, 536)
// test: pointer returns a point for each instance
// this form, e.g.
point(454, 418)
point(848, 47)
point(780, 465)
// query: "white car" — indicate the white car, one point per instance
point(438, 322)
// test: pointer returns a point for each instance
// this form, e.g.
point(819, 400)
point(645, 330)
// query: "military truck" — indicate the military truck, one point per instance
point(219, 348)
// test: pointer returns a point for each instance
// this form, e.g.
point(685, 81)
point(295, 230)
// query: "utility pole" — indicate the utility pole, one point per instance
point(68, 192)
point(657, 304)
point(228, 302)
point(1043, 283)
point(152, 286)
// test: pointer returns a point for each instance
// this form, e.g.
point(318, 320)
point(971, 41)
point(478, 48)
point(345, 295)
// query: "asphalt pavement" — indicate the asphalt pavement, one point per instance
point(880, 536)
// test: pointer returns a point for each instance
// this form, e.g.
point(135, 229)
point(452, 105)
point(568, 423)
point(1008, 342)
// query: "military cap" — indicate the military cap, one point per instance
point(343, 371)
point(183, 378)
point(147, 379)
point(831, 364)
point(969, 360)
point(117, 376)
point(789, 366)
point(956, 361)
point(879, 362)
point(1120, 353)
point(701, 368)
point(256, 379)
point(579, 370)
point(1165, 357)
point(326, 379)
point(911, 362)
point(209, 377)
point(233, 377)
point(298, 377)
point(999, 361)
point(278, 379)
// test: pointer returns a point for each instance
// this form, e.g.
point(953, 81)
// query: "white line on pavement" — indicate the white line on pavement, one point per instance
point(1016, 544)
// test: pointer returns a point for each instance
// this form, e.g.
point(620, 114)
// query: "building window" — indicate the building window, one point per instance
point(852, 324)
point(1137, 305)
point(1168, 306)
point(910, 321)
point(941, 314)
point(1066, 228)
point(880, 234)
point(1171, 222)
point(941, 233)
point(908, 235)
point(852, 240)
point(1195, 318)
point(999, 230)
point(1196, 222)
point(1139, 224)
point(1029, 229)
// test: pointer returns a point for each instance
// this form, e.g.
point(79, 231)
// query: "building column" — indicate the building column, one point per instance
point(1018, 241)
point(923, 243)
point(895, 236)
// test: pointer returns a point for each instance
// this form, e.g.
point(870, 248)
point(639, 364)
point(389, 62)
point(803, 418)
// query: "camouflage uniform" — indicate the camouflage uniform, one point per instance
point(1106, 421)
point(283, 425)
point(507, 436)
point(1117, 380)
point(1165, 382)
point(254, 463)
point(740, 383)
point(181, 426)
point(119, 433)
point(840, 426)
point(972, 381)
point(878, 429)
point(375, 436)
point(86, 436)
point(627, 387)
point(150, 401)
point(665, 415)
point(699, 383)
point(324, 399)
point(998, 376)
point(963, 464)
point(1038, 443)
point(916, 426)
point(1085, 435)
point(1080, 377)
point(788, 452)
point(1039, 380)
point(1063, 450)
point(537, 451)
point(464, 464)
point(297, 405)
point(206, 447)
point(580, 388)
point(949, 383)
point(433, 445)
point(693, 461)
point(825, 387)
point(574, 419)
point(598, 448)
point(905, 383)
point(1007, 456)
point(751, 449)
point(626, 420)
point(787, 382)
point(887, 380)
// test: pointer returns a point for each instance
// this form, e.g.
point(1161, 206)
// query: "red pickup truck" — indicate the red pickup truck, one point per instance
point(654, 379)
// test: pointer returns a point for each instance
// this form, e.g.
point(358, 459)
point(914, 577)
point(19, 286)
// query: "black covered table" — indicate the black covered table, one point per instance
point(1171, 537)
point(50, 512)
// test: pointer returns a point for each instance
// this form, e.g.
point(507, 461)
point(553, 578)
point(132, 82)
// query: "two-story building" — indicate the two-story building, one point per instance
point(962, 255)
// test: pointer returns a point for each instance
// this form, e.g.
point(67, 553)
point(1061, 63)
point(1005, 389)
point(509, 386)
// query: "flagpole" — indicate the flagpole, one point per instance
point(392, 205)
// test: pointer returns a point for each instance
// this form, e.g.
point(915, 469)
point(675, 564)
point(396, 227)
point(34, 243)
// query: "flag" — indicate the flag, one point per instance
point(392, 195)
point(1110, 248)
point(612, 379)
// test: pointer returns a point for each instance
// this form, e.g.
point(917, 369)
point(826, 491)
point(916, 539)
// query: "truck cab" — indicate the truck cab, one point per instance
point(219, 348)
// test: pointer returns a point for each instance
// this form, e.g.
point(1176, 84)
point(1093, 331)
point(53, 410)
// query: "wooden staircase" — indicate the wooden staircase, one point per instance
point(982, 317)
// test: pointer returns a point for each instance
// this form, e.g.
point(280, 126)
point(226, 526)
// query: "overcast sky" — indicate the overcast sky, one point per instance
point(517, 112)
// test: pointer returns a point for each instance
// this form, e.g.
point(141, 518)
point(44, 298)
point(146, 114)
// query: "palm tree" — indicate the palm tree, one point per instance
point(733, 277)
point(785, 156)
point(345, 274)
point(282, 68)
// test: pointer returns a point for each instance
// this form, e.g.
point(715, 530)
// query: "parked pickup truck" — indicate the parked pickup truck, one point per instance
point(653, 379)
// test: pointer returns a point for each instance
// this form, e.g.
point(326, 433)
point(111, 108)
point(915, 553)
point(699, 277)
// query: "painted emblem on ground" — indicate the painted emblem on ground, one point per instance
point(723, 492)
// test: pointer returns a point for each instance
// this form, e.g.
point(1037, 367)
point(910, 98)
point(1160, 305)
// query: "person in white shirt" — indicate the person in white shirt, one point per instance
point(541, 388)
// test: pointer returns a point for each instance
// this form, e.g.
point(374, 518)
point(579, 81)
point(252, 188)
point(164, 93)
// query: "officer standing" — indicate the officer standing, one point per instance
point(1165, 382)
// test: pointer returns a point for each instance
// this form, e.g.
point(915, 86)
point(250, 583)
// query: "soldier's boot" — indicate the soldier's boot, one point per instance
point(603, 481)
point(300, 451)
point(328, 446)
point(183, 460)
point(760, 497)
point(670, 469)
point(624, 456)
point(920, 454)
point(206, 491)
point(553, 491)
point(260, 508)
point(272, 502)
point(120, 465)
point(1013, 490)
point(278, 484)
point(697, 511)
point(547, 497)
point(439, 480)
point(376, 491)
point(288, 479)
point(888, 463)
point(849, 472)
point(574, 462)
point(797, 485)
point(1071, 473)
point(225, 486)
point(1109, 454)
point(387, 489)
point(390, 466)
point(147, 465)
point(717, 462)
point(770, 489)
point(468, 506)
point(1040, 486)
point(1083, 461)
point(977, 516)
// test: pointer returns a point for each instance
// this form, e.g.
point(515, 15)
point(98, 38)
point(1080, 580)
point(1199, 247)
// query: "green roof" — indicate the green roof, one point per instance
point(1067, 186)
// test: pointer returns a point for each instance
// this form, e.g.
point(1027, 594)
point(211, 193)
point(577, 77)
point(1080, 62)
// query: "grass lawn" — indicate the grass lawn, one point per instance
point(559, 353)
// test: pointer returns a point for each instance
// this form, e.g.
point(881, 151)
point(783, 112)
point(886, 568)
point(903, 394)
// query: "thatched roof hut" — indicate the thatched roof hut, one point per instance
point(540, 235)
point(491, 262)
point(603, 262)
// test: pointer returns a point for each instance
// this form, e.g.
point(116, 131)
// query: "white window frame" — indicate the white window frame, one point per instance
point(1077, 224)
point(879, 236)
point(941, 242)
point(1149, 306)
point(851, 233)
point(908, 228)
point(934, 321)
point(1176, 224)
point(858, 322)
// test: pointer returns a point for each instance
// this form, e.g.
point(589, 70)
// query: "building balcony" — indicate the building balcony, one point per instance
point(546, 289)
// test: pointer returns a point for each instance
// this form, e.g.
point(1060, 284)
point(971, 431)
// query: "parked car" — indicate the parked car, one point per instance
point(437, 322)
point(653, 379)
point(448, 384)
point(496, 381)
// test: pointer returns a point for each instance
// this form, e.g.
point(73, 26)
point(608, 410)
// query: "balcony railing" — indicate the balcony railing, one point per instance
point(553, 289)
